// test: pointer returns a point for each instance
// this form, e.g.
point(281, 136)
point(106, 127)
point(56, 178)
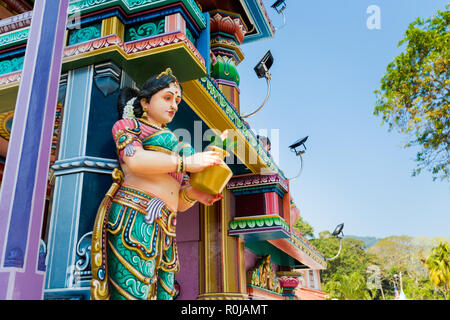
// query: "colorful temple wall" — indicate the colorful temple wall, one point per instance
point(111, 44)
point(188, 239)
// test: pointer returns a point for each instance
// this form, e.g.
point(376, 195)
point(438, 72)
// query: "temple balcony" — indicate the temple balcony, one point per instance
point(262, 218)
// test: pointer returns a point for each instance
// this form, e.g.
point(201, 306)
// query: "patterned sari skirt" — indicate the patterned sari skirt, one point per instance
point(138, 255)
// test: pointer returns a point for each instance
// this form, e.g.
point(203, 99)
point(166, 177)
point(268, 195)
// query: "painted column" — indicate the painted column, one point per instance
point(222, 265)
point(22, 196)
point(82, 176)
point(227, 34)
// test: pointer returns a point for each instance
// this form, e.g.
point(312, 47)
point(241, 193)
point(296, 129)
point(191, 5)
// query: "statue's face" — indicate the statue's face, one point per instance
point(163, 105)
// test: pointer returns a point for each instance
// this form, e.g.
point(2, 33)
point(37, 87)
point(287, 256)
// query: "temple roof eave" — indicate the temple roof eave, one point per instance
point(208, 102)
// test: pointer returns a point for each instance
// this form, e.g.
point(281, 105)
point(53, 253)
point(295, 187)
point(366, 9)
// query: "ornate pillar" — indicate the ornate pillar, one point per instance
point(26, 169)
point(222, 266)
point(82, 173)
point(227, 34)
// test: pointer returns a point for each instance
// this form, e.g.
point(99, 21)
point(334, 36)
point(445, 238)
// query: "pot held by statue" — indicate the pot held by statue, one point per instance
point(213, 180)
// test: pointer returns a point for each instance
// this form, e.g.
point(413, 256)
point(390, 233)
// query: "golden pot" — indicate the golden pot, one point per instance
point(213, 180)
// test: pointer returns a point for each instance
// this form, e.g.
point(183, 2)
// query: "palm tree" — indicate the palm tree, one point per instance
point(348, 287)
point(438, 264)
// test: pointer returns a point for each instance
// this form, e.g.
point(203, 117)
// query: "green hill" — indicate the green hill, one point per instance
point(369, 241)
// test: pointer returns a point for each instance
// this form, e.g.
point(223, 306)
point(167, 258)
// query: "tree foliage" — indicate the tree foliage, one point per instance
point(373, 271)
point(304, 227)
point(438, 264)
point(415, 93)
point(347, 287)
point(405, 255)
point(352, 258)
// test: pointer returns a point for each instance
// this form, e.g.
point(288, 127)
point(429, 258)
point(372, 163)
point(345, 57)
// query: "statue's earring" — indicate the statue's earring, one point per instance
point(144, 115)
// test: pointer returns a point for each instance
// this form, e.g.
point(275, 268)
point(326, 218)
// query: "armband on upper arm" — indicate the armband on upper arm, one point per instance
point(126, 138)
point(124, 141)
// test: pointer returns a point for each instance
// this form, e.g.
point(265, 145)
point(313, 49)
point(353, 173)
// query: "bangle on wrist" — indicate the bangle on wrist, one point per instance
point(179, 164)
point(186, 198)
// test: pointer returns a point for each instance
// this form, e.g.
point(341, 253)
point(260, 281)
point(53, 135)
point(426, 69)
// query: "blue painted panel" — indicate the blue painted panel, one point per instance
point(262, 248)
point(74, 124)
point(63, 230)
point(260, 21)
point(204, 44)
point(102, 116)
point(95, 187)
point(261, 235)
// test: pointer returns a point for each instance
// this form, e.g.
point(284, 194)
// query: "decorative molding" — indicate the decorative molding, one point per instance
point(82, 273)
point(130, 48)
point(222, 46)
point(14, 38)
point(12, 65)
point(56, 132)
point(145, 30)
point(107, 77)
point(134, 6)
point(258, 293)
point(83, 164)
point(85, 34)
point(304, 245)
point(247, 181)
point(16, 22)
point(222, 22)
point(262, 227)
point(10, 79)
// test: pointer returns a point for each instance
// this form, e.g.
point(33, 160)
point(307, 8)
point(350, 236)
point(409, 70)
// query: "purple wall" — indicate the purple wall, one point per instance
point(188, 237)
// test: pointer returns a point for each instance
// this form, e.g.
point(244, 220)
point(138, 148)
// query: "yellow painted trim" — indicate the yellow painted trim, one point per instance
point(10, 85)
point(243, 278)
point(196, 96)
point(113, 25)
point(223, 296)
point(231, 254)
point(208, 250)
point(226, 258)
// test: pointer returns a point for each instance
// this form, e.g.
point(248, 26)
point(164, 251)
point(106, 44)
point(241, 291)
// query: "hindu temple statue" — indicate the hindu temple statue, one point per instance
point(134, 250)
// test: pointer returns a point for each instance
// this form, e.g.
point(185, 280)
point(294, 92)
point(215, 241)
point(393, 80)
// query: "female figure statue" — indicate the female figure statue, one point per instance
point(134, 251)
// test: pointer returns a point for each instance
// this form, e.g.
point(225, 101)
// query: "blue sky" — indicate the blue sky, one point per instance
point(327, 65)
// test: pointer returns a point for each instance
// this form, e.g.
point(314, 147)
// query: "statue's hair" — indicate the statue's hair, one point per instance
point(149, 88)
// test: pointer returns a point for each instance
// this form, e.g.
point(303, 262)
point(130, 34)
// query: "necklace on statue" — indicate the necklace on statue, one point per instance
point(151, 124)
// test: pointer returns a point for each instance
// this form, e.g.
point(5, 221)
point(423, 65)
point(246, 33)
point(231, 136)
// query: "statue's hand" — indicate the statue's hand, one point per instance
point(202, 160)
point(203, 197)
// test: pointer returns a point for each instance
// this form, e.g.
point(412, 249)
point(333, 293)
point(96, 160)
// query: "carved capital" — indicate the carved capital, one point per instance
point(229, 24)
point(107, 77)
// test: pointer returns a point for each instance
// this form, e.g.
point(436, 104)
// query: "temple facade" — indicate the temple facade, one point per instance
point(57, 154)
